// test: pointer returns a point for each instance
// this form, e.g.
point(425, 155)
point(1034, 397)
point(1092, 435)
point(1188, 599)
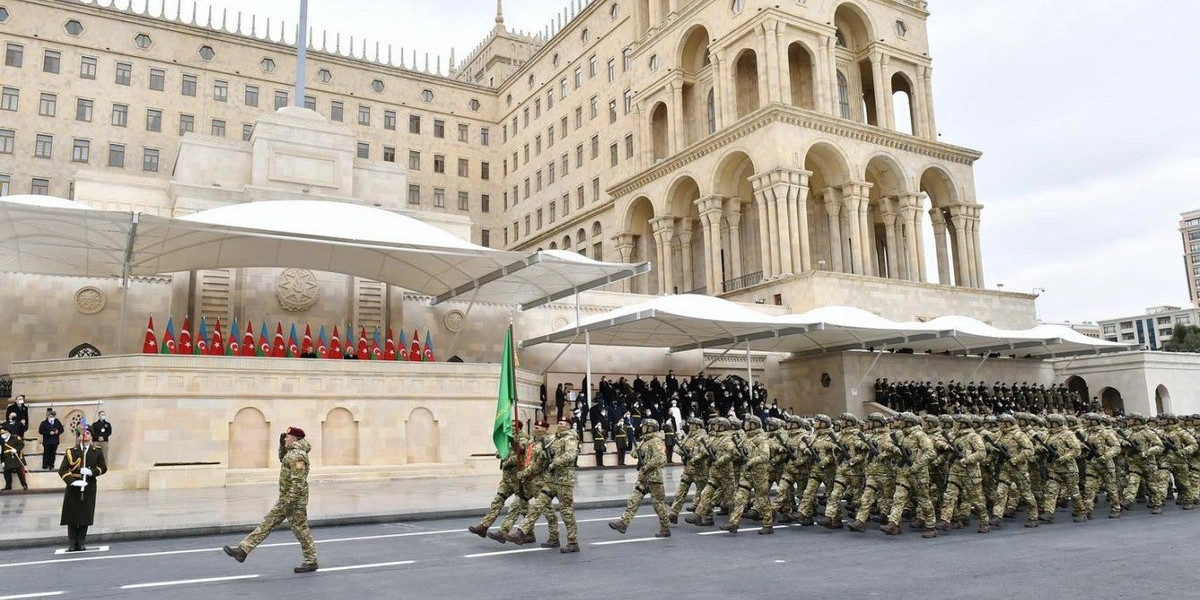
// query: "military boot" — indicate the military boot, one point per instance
point(942, 524)
point(917, 524)
point(1031, 522)
point(520, 538)
point(892, 528)
point(1080, 518)
point(766, 530)
point(499, 536)
point(549, 544)
point(997, 522)
point(619, 526)
point(663, 532)
point(1046, 517)
point(857, 526)
point(1156, 510)
point(478, 530)
point(983, 526)
point(804, 519)
point(569, 548)
point(825, 521)
point(929, 533)
point(730, 527)
point(305, 567)
point(673, 518)
point(236, 552)
point(694, 519)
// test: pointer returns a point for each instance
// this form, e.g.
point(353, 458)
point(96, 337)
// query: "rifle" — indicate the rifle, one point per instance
point(1092, 450)
point(954, 449)
point(712, 454)
point(872, 447)
point(1050, 451)
point(1137, 448)
point(841, 452)
point(744, 456)
point(549, 452)
point(783, 441)
point(1000, 451)
point(905, 453)
point(685, 453)
point(1168, 445)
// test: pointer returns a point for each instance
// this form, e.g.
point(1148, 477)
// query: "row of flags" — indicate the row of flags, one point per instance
point(293, 346)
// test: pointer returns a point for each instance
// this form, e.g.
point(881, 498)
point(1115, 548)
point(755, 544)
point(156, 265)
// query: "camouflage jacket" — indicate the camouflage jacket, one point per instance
point(1149, 446)
point(920, 447)
point(651, 456)
point(1017, 444)
point(1065, 444)
point(758, 450)
point(1185, 444)
point(970, 448)
point(561, 470)
point(1104, 440)
point(293, 475)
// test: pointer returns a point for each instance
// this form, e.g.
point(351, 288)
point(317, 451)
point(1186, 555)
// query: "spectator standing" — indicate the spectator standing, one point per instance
point(621, 437)
point(50, 429)
point(101, 431)
point(22, 411)
point(560, 400)
point(599, 440)
point(669, 440)
point(10, 454)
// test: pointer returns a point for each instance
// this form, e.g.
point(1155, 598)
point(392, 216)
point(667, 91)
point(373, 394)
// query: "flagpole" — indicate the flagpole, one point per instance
point(516, 414)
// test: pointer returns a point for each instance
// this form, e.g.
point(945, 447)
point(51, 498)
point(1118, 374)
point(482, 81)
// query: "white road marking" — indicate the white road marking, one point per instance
point(135, 586)
point(718, 532)
point(62, 551)
point(630, 541)
point(33, 595)
point(370, 566)
point(483, 554)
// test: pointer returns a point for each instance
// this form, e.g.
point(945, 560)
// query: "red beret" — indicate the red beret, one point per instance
point(517, 425)
point(296, 432)
point(542, 423)
point(565, 420)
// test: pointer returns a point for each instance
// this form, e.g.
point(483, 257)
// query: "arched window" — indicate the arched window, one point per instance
point(581, 237)
point(712, 112)
point(843, 96)
point(597, 241)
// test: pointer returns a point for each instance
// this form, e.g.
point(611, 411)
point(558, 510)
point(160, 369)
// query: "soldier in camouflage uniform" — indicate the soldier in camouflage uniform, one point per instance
point(852, 453)
point(964, 482)
point(755, 478)
point(1143, 448)
point(720, 472)
point(651, 455)
point(912, 476)
point(1190, 425)
point(1035, 427)
point(1014, 450)
point(560, 484)
point(938, 469)
point(1101, 446)
point(509, 485)
point(823, 471)
point(795, 472)
point(880, 483)
point(1180, 448)
point(988, 429)
point(777, 440)
point(530, 480)
point(695, 465)
point(1062, 448)
point(291, 505)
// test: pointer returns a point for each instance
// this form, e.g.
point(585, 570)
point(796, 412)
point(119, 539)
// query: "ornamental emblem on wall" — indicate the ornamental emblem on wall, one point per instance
point(90, 300)
point(454, 320)
point(297, 290)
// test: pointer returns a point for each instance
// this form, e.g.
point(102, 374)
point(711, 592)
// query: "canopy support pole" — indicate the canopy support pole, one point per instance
point(749, 371)
point(866, 374)
point(587, 339)
point(713, 361)
point(971, 377)
point(133, 225)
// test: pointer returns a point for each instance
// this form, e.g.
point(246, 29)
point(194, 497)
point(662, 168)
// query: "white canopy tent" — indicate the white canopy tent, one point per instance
point(53, 236)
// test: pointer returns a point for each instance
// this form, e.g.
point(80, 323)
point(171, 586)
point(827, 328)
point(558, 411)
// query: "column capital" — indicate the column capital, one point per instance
point(780, 174)
point(710, 205)
point(833, 204)
point(857, 188)
point(663, 228)
point(624, 240)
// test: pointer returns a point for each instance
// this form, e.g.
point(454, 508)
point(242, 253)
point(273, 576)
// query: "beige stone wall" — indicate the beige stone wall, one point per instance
point(1148, 382)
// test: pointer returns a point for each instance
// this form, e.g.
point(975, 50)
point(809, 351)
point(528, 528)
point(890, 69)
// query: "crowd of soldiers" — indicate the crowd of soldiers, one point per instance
point(980, 398)
point(940, 470)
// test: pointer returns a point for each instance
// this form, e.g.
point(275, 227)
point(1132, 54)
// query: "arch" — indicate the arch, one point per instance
point(888, 175)
point(1162, 400)
point(1111, 401)
point(249, 439)
point(693, 50)
point(828, 243)
point(339, 438)
point(800, 75)
point(939, 186)
point(853, 25)
point(943, 194)
point(745, 77)
point(566, 242)
point(740, 251)
point(581, 241)
point(659, 132)
point(1078, 386)
point(827, 158)
point(645, 247)
point(422, 442)
point(553, 245)
point(688, 260)
point(902, 104)
point(886, 250)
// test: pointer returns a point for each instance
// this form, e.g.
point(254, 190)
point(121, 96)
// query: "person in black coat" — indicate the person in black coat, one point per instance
point(22, 411)
point(10, 456)
point(80, 467)
point(50, 429)
point(560, 400)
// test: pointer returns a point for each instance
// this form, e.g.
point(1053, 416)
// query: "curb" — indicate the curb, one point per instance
point(243, 528)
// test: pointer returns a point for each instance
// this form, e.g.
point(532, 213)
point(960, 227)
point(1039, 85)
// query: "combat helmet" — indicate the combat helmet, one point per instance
point(775, 424)
point(751, 422)
point(650, 425)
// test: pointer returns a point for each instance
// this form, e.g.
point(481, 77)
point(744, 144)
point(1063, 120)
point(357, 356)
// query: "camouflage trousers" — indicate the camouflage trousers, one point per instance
point(820, 474)
point(1101, 475)
point(1012, 487)
point(1155, 478)
point(297, 517)
point(846, 478)
point(691, 476)
point(507, 488)
point(1193, 486)
point(1181, 472)
point(658, 497)
point(964, 489)
point(1063, 482)
point(1037, 479)
point(758, 483)
point(542, 504)
point(714, 491)
point(912, 485)
point(791, 484)
point(877, 490)
point(520, 508)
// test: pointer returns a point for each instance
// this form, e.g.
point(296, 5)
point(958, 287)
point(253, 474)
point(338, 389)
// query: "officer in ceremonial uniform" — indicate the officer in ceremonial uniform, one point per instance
point(80, 467)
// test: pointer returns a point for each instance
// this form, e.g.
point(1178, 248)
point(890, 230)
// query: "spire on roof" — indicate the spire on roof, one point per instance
point(499, 17)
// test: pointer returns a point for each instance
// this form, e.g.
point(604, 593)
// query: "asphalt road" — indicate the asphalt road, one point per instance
point(1137, 556)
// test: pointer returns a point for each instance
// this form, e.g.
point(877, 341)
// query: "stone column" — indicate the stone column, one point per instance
point(677, 119)
point(939, 237)
point(624, 243)
point(931, 121)
point(664, 237)
point(655, 18)
point(919, 233)
point(962, 263)
point(710, 208)
point(918, 106)
point(674, 6)
point(770, 62)
point(733, 216)
point(852, 231)
point(767, 230)
point(833, 208)
point(784, 69)
point(798, 214)
point(890, 215)
point(889, 115)
point(978, 209)
point(718, 89)
point(909, 215)
point(855, 195)
point(685, 253)
point(645, 152)
point(877, 77)
point(730, 86)
point(820, 70)
point(831, 84)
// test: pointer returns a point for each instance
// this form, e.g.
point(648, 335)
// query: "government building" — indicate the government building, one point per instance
point(783, 154)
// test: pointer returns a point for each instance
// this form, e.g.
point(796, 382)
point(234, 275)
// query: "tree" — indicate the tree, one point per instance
point(1185, 338)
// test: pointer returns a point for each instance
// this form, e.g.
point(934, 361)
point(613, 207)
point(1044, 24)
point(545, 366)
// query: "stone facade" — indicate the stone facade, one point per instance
point(1147, 382)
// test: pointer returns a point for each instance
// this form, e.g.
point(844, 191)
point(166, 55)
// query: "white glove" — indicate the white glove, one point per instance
point(79, 484)
point(85, 471)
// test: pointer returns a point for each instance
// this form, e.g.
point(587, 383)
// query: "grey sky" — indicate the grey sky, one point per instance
point(1084, 110)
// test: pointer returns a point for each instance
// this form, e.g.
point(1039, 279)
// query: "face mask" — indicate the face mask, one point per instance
point(51, 419)
point(102, 416)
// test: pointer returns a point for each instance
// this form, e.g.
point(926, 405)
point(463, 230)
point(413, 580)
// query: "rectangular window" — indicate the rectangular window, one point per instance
point(364, 115)
point(364, 150)
point(188, 87)
point(578, 77)
point(5, 185)
point(527, 188)
point(439, 198)
point(538, 181)
point(252, 95)
point(514, 125)
point(578, 117)
point(464, 201)
point(553, 209)
point(120, 115)
point(537, 108)
point(43, 146)
point(124, 73)
point(537, 145)
point(439, 128)
point(83, 110)
point(550, 171)
point(389, 120)
point(14, 55)
point(81, 151)
point(7, 141)
point(627, 61)
point(10, 98)
point(464, 133)
point(596, 190)
point(579, 156)
point(48, 104)
point(464, 167)
point(153, 119)
point(526, 155)
point(550, 136)
point(612, 111)
point(247, 131)
point(310, 102)
point(485, 203)
point(439, 163)
point(414, 124)
point(566, 164)
point(150, 160)
point(579, 197)
point(389, 154)
point(591, 66)
point(281, 99)
point(484, 135)
point(539, 218)
point(527, 220)
point(187, 124)
point(594, 105)
point(562, 88)
point(613, 154)
point(158, 80)
point(336, 111)
point(414, 160)
point(87, 67)
point(221, 91)
point(595, 147)
point(525, 114)
point(485, 237)
point(414, 194)
point(549, 99)
point(628, 101)
point(40, 186)
point(485, 171)
point(218, 128)
point(612, 70)
point(629, 146)
point(52, 61)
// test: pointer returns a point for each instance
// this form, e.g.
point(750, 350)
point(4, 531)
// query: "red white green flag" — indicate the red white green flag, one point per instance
point(150, 344)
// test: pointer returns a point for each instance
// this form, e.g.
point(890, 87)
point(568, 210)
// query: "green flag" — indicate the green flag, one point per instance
point(502, 430)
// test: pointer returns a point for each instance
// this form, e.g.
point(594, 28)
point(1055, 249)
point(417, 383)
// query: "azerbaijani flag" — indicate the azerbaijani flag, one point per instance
point(168, 342)
point(293, 349)
point(232, 348)
point(202, 337)
point(376, 351)
point(322, 345)
point(402, 347)
point(502, 428)
point(264, 347)
point(428, 346)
